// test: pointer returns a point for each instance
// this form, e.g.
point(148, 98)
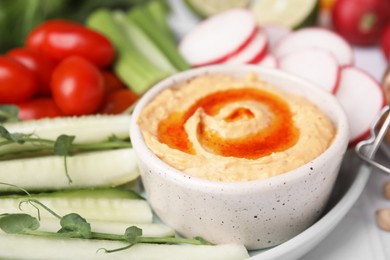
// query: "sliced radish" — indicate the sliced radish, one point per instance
point(253, 52)
point(274, 34)
point(315, 65)
point(318, 38)
point(362, 98)
point(269, 61)
point(219, 37)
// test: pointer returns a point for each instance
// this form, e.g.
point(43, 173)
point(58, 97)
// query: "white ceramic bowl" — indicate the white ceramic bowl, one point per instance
point(258, 214)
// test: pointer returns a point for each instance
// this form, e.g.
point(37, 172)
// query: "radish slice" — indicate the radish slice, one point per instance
point(362, 98)
point(254, 52)
point(219, 37)
point(315, 65)
point(269, 61)
point(318, 38)
point(274, 34)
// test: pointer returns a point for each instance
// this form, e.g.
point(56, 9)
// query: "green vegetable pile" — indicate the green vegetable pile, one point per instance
point(146, 48)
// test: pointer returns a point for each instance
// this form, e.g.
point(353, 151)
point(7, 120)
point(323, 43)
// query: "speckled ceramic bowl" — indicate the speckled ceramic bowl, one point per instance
point(258, 214)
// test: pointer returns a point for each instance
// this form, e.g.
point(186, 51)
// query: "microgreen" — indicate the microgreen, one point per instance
point(62, 146)
point(18, 223)
point(9, 113)
point(76, 225)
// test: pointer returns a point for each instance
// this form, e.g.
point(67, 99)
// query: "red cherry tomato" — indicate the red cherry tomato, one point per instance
point(118, 101)
point(112, 82)
point(77, 86)
point(38, 108)
point(38, 64)
point(361, 22)
point(59, 39)
point(17, 82)
point(385, 42)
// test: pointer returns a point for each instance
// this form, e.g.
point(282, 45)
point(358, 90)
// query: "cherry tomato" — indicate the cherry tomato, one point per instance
point(77, 86)
point(38, 108)
point(361, 22)
point(17, 82)
point(385, 42)
point(112, 82)
point(59, 39)
point(118, 101)
point(38, 64)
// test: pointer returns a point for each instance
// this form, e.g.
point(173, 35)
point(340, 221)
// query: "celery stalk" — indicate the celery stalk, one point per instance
point(143, 19)
point(142, 42)
point(131, 66)
point(158, 10)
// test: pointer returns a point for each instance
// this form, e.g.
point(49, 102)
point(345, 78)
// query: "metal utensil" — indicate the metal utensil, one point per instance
point(367, 149)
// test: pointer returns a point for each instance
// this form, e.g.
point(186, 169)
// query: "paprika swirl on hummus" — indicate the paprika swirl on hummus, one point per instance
point(234, 129)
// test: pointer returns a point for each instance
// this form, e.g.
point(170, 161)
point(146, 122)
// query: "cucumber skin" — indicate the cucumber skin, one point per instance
point(81, 193)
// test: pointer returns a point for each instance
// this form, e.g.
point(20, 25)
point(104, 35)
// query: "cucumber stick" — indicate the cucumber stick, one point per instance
point(92, 207)
point(30, 247)
point(87, 129)
point(92, 169)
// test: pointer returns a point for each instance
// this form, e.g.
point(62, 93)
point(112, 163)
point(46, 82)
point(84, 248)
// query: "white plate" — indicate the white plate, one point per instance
point(349, 185)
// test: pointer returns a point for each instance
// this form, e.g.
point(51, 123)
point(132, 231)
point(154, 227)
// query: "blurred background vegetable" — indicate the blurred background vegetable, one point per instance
point(19, 17)
point(361, 22)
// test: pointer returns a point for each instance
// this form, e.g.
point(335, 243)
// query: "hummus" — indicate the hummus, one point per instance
point(234, 129)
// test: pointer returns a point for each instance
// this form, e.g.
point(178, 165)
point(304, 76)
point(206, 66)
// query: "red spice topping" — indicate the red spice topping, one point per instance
point(278, 136)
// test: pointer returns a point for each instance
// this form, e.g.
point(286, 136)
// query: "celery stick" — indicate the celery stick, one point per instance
point(139, 73)
point(142, 42)
point(158, 10)
point(143, 20)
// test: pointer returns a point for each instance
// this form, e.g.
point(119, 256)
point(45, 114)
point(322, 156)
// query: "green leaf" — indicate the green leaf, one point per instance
point(132, 234)
point(15, 137)
point(75, 224)
point(9, 113)
point(18, 223)
point(63, 144)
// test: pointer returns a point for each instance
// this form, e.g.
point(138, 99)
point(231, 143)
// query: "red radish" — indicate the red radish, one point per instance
point(385, 42)
point(313, 64)
point(274, 34)
point(318, 38)
point(361, 22)
point(254, 51)
point(269, 61)
point(362, 98)
point(219, 37)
